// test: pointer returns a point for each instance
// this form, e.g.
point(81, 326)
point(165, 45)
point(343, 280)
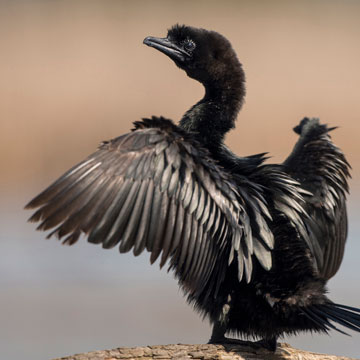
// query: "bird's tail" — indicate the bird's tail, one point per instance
point(325, 315)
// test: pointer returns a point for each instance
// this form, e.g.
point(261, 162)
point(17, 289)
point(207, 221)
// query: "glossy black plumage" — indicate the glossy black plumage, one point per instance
point(252, 244)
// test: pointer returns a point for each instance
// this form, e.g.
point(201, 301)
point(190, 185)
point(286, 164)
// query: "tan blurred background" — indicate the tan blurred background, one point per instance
point(74, 73)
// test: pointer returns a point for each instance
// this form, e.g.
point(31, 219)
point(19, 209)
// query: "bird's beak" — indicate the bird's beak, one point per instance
point(167, 47)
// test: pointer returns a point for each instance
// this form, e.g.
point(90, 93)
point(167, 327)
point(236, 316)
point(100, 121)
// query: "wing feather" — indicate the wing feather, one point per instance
point(132, 227)
point(144, 223)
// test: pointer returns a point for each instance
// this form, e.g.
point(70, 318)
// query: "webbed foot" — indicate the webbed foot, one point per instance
point(225, 340)
point(268, 344)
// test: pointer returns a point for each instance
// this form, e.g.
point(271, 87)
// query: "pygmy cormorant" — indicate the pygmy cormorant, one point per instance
point(251, 244)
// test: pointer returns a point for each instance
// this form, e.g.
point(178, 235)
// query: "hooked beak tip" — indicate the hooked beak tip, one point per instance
point(147, 40)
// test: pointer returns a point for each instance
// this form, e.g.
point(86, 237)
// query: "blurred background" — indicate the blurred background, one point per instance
point(74, 73)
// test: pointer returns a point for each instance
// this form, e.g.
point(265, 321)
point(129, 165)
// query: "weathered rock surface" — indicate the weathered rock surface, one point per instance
point(203, 352)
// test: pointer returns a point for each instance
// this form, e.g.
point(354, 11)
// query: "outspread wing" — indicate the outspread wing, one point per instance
point(156, 189)
point(322, 169)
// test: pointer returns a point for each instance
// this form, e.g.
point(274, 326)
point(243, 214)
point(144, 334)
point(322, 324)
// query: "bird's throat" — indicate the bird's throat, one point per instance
point(214, 115)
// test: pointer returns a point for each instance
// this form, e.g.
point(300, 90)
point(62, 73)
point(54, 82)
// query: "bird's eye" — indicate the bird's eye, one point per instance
point(189, 45)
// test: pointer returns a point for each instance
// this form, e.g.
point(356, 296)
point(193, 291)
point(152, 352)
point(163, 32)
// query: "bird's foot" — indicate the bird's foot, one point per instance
point(268, 344)
point(225, 340)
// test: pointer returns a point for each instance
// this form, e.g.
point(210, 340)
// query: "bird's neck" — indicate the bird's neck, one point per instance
point(214, 115)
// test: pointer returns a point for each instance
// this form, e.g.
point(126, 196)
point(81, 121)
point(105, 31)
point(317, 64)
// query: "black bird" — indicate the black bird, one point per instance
point(251, 244)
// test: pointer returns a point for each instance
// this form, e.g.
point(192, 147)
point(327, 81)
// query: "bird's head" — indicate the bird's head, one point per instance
point(205, 55)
